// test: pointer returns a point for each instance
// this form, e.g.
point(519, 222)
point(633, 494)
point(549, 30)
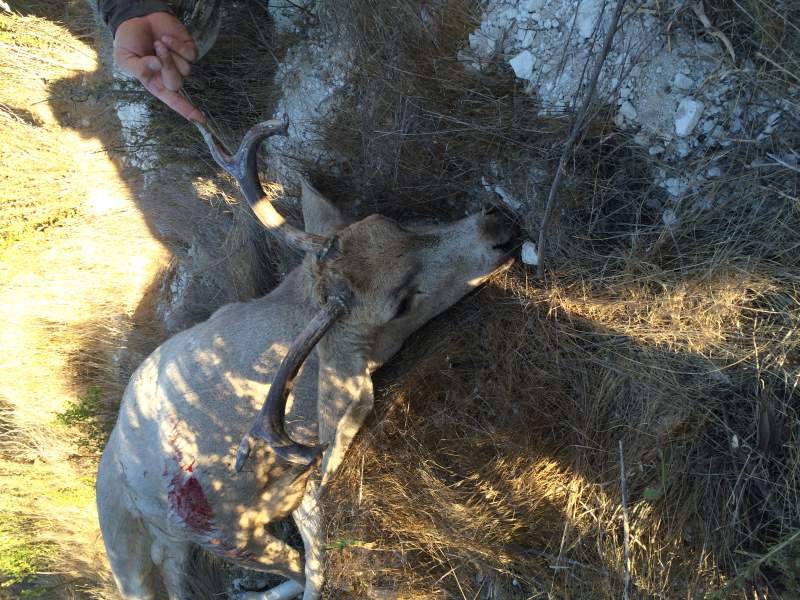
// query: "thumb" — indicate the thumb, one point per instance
point(141, 67)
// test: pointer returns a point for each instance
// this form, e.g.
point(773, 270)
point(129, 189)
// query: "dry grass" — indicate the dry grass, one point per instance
point(416, 132)
point(490, 468)
point(33, 50)
point(765, 33)
point(82, 273)
point(71, 298)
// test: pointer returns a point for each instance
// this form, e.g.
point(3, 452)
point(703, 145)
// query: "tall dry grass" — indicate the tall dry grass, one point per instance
point(76, 260)
point(93, 254)
point(491, 469)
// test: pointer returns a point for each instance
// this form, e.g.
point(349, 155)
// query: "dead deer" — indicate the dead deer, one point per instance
point(174, 473)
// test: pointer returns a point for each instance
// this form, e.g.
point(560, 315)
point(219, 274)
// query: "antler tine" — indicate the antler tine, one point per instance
point(243, 167)
point(269, 424)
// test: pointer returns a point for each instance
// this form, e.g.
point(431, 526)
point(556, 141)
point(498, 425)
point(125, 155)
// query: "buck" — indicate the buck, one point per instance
point(174, 472)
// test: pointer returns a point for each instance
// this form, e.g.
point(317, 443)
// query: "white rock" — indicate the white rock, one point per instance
point(707, 125)
point(683, 148)
point(714, 171)
point(529, 254)
point(522, 64)
point(587, 17)
point(669, 217)
point(525, 37)
point(687, 116)
point(481, 44)
point(531, 5)
point(682, 82)
point(655, 150)
point(510, 201)
point(628, 111)
point(675, 186)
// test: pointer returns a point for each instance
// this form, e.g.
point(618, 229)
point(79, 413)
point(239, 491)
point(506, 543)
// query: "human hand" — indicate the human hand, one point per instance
point(158, 51)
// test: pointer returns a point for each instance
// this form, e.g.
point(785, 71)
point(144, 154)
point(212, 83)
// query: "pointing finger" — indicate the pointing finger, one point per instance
point(176, 102)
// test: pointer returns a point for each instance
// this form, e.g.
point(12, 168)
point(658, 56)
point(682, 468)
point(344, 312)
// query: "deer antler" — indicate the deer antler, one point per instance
point(269, 422)
point(242, 166)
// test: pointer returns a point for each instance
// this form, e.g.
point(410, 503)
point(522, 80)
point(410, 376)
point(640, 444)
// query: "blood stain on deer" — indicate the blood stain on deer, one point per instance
point(187, 499)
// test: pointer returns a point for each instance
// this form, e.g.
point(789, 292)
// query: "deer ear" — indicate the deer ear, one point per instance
point(320, 216)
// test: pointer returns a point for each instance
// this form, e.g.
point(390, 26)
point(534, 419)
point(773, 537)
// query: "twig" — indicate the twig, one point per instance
point(561, 562)
point(784, 163)
point(577, 128)
point(700, 13)
point(625, 525)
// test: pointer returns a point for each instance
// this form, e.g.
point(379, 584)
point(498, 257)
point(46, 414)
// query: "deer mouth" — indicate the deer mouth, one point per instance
point(500, 228)
point(508, 243)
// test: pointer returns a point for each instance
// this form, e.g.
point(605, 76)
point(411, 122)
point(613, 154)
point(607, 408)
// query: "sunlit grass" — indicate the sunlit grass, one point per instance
point(75, 261)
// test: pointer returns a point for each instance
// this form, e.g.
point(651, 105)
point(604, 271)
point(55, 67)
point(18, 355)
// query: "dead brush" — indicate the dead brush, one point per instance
point(491, 468)
point(417, 131)
point(763, 33)
point(68, 296)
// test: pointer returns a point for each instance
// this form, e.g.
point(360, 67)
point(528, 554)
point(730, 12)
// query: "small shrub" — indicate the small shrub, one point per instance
point(87, 416)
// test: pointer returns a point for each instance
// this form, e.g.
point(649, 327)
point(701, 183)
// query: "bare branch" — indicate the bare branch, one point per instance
point(578, 126)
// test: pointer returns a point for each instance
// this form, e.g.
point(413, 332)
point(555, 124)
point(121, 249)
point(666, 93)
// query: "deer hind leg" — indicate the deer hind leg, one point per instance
point(308, 518)
point(288, 590)
point(172, 558)
point(126, 540)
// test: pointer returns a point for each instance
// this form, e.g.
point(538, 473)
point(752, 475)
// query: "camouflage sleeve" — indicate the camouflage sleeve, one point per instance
point(115, 12)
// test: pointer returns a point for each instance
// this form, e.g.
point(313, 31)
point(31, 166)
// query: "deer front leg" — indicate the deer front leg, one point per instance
point(308, 518)
point(344, 402)
point(349, 426)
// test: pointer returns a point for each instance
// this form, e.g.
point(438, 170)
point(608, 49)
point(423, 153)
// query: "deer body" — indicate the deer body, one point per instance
point(168, 477)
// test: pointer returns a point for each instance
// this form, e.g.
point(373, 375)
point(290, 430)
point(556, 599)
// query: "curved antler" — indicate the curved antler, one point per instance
point(269, 424)
point(242, 166)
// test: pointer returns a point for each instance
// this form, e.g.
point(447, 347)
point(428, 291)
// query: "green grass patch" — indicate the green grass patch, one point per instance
point(87, 417)
point(21, 555)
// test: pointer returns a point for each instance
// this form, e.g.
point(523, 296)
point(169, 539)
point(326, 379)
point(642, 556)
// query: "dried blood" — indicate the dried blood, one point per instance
point(190, 503)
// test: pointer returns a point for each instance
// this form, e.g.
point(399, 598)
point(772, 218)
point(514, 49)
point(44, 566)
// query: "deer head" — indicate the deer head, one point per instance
point(375, 282)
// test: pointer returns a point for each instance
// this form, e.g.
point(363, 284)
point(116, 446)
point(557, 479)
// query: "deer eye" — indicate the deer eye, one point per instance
point(404, 306)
